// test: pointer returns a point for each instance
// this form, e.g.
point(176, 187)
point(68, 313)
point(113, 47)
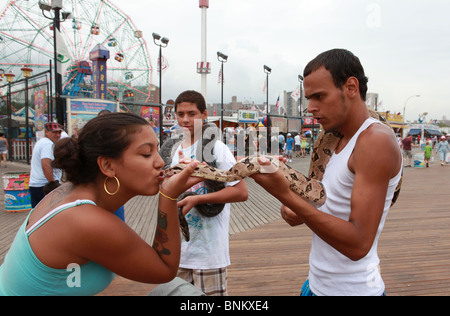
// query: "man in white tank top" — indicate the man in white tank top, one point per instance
point(360, 181)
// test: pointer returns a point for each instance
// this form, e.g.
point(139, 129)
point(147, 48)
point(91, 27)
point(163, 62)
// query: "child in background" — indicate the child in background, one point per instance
point(427, 153)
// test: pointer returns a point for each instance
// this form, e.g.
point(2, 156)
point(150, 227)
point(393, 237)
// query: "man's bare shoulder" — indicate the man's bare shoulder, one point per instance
point(377, 147)
point(378, 134)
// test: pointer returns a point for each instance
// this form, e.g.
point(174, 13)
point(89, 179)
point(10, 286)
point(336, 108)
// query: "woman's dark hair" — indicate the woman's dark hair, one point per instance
point(342, 64)
point(105, 135)
point(192, 96)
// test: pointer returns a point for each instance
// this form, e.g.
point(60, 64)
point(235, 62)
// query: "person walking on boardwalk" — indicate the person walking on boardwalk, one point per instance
point(205, 257)
point(407, 144)
point(281, 143)
point(360, 180)
point(71, 243)
point(443, 148)
point(289, 147)
point(297, 147)
point(304, 145)
point(3, 148)
point(427, 153)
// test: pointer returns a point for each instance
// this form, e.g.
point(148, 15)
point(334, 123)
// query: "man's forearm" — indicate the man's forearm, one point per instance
point(47, 169)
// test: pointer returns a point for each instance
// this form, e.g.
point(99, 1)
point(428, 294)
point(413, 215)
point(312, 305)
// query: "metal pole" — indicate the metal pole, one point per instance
point(58, 76)
point(204, 49)
point(27, 137)
point(269, 123)
point(160, 99)
point(312, 134)
point(300, 78)
point(49, 96)
point(267, 94)
point(221, 103)
point(9, 123)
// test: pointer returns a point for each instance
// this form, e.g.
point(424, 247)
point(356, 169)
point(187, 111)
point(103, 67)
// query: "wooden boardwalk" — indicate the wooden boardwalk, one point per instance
point(271, 258)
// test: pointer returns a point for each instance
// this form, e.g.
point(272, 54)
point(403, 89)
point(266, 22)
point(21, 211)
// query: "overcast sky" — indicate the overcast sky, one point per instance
point(404, 46)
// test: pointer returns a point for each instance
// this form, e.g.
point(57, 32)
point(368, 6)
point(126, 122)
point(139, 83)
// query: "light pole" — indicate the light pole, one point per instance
point(300, 79)
point(161, 42)
point(223, 59)
point(406, 102)
point(56, 6)
point(268, 70)
point(422, 118)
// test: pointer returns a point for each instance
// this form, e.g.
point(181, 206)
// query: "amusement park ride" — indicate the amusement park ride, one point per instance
point(26, 38)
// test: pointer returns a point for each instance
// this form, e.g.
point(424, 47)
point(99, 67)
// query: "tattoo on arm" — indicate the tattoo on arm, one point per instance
point(161, 234)
point(59, 194)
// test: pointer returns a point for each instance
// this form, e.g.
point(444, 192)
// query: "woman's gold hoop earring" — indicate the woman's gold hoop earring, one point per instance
point(106, 189)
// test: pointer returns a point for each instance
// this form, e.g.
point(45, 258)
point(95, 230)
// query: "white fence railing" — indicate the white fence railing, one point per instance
point(19, 149)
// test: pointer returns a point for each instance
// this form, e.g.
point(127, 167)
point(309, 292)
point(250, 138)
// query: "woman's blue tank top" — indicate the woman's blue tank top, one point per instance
point(22, 273)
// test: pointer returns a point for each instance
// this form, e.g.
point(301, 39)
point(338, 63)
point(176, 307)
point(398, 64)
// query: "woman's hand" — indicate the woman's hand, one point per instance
point(174, 185)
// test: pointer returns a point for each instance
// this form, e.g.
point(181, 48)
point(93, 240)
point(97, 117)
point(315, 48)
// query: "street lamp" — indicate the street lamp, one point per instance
point(422, 118)
point(10, 77)
point(223, 59)
point(300, 80)
point(268, 70)
point(27, 73)
point(56, 6)
point(404, 107)
point(161, 42)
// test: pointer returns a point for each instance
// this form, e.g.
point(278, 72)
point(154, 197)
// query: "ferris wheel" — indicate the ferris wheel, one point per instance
point(26, 38)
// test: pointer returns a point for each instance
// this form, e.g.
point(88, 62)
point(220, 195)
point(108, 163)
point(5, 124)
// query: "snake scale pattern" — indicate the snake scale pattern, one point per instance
point(310, 189)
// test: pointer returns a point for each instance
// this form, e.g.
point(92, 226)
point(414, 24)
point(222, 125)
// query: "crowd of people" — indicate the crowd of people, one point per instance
point(71, 243)
point(254, 141)
point(439, 145)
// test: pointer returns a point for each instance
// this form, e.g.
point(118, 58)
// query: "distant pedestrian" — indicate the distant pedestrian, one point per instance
point(407, 144)
point(303, 145)
point(297, 147)
point(281, 141)
point(443, 148)
point(262, 143)
point(427, 153)
point(289, 147)
point(3, 147)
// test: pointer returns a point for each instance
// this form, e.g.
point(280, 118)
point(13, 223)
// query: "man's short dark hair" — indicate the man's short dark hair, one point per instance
point(192, 96)
point(342, 64)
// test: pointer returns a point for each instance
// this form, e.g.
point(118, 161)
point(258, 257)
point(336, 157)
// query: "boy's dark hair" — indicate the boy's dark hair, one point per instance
point(342, 64)
point(192, 96)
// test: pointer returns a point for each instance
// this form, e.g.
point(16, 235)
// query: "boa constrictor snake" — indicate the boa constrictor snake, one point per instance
point(309, 188)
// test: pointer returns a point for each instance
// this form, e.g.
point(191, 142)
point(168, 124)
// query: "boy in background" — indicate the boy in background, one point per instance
point(427, 153)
